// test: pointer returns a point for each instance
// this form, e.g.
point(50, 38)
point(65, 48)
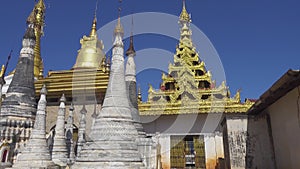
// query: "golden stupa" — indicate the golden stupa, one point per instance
point(89, 75)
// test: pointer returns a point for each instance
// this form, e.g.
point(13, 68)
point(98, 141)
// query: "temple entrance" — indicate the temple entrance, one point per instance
point(187, 152)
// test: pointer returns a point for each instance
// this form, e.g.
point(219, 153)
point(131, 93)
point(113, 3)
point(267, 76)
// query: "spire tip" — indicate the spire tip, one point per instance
point(184, 16)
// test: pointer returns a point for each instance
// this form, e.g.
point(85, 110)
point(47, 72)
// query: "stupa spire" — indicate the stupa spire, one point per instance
point(184, 16)
point(113, 134)
point(60, 152)
point(94, 25)
point(185, 30)
point(91, 53)
point(20, 102)
point(37, 17)
point(119, 28)
point(36, 152)
point(82, 128)
point(69, 135)
point(130, 78)
point(130, 50)
point(21, 89)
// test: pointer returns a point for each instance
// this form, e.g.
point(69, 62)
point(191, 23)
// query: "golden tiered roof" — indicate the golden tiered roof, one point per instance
point(73, 82)
point(188, 86)
point(89, 76)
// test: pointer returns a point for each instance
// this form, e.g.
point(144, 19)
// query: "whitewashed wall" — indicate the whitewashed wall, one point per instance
point(235, 141)
point(285, 123)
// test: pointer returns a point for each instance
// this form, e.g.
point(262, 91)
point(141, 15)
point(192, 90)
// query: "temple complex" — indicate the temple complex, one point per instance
point(107, 106)
point(94, 116)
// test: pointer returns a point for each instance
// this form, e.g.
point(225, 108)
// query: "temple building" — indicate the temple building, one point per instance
point(189, 95)
point(92, 115)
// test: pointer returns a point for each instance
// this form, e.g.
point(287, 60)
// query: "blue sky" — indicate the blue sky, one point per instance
point(257, 41)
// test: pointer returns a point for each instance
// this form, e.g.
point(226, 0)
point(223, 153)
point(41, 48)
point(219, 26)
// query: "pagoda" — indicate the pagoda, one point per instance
point(89, 74)
point(188, 85)
point(37, 16)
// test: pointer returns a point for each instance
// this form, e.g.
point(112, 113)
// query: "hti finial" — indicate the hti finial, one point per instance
point(184, 16)
point(41, 4)
point(131, 47)
point(119, 28)
point(39, 15)
point(96, 8)
point(120, 8)
point(94, 25)
point(131, 25)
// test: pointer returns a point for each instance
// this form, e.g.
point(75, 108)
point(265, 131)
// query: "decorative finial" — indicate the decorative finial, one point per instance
point(120, 8)
point(131, 47)
point(119, 28)
point(94, 26)
point(37, 19)
point(41, 4)
point(184, 16)
point(44, 89)
point(132, 25)
point(96, 8)
point(63, 98)
point(39, 12)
